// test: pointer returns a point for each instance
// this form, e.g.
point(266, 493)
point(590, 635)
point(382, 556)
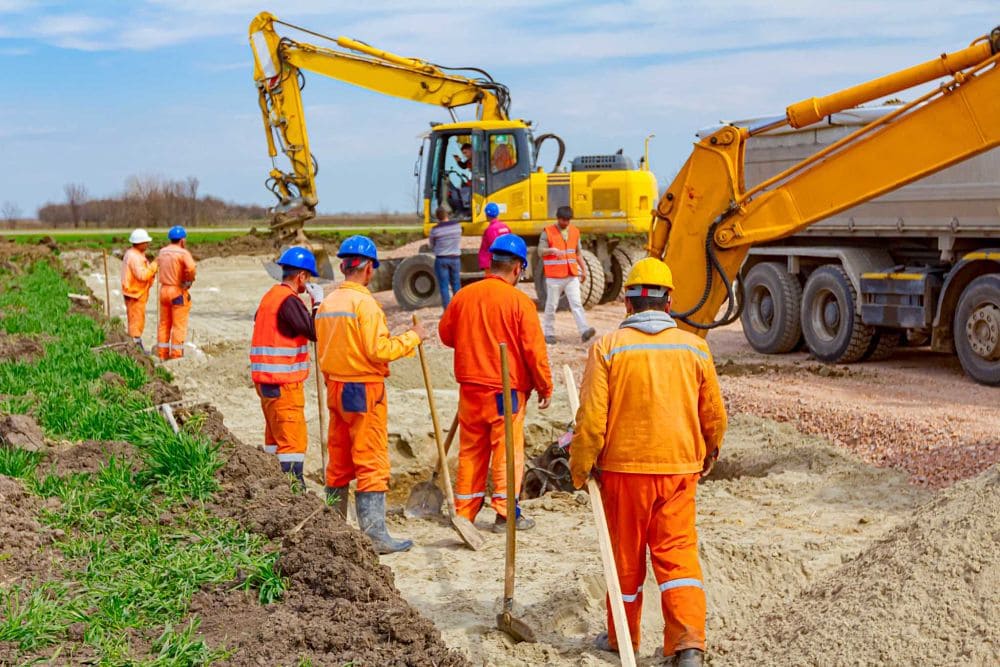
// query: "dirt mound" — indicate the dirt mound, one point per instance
point(22, 538)
point(253, 243)
point(21, 431)
point(161, 391)
point(926, 593)
point(20, 348)
point(91, 455)
point(341, 606)
point(14, 256)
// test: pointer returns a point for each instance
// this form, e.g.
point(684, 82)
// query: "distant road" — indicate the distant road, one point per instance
point(63, 231)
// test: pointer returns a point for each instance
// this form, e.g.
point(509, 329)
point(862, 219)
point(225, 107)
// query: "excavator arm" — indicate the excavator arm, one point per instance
point(706, 221)
point(278, 66)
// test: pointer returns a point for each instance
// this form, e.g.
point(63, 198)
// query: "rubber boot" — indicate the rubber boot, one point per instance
point(521, 521)
point(337, 497)
point(371, 520)
point(689, 657)
point(603, 642)
point(294, 468)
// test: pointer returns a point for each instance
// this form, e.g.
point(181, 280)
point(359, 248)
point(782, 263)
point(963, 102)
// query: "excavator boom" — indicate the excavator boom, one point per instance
point(706, 222)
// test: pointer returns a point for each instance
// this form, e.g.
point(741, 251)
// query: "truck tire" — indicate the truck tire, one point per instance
point(771, 309)
point(590, 290)
point(884, 343)
point(831, 325)
point(415, 284)
point(977, 329)
point(621, 263)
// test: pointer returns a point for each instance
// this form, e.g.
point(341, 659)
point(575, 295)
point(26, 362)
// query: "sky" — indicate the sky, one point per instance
point(94, 92)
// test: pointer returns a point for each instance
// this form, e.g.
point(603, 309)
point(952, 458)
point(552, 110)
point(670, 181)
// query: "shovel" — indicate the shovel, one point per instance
point(625, 652)
point(426, 498)
point(518, 630)
point(472, 537)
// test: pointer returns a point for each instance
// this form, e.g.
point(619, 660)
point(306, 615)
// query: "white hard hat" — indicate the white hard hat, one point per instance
point(139, 236)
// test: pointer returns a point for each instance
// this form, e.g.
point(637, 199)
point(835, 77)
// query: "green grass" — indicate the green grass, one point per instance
point(138, 542)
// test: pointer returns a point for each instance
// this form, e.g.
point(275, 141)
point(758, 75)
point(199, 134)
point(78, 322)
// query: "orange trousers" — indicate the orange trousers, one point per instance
point(482, 450)
point(358, 442)
point(174, 310)
point(658, 512)
point(285, 431)
point(135, 314)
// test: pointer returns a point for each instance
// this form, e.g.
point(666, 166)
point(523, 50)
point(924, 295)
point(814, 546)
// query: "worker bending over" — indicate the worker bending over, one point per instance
point(279, 358)
point(564, 268)
point(355, 349)
point(138, 274)
point(480, 317)
point(650, 424)
point(177, 271)
point(494, 228)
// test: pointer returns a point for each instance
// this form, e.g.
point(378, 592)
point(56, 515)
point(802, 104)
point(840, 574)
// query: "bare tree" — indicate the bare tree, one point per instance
point(11, 213)
point(76, 196)
point(191, 192)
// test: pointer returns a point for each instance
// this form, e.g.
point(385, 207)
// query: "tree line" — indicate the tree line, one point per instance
point(147, 201)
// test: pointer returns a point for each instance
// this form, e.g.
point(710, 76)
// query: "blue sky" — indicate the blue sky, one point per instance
point(94, 92)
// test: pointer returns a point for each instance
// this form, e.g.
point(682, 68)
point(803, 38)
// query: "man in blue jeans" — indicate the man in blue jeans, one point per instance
point(446, 242)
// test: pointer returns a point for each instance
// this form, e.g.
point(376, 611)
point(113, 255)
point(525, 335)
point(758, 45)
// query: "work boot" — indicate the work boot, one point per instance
point(588, 334)
point(689, 657)
point(521, 523)
point(550, 340)
point(603, 643)
point(294, 468)
point(371, 520)
point(337, 497)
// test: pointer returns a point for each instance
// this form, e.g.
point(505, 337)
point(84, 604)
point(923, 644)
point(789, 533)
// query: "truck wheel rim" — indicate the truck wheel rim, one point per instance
point(982, 329)
point(422, 284)
point(825, 315)
point(761, 309)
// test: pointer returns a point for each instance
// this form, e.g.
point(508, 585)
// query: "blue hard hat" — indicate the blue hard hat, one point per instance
point(176, 233)
point(511, 244)
point(492, 210)
point(359, 246)
point(298, 257)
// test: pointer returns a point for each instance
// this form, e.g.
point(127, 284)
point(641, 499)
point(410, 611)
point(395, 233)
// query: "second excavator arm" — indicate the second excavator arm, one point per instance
point(706, 222)
point(278, 66)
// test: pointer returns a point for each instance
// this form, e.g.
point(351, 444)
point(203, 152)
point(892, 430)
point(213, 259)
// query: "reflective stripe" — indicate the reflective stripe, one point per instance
point(656, 346)
point(280, 351)
point(336, 313)
point(633, 597)
point(280, 368)
point(677, 583)
point(166, 345)
point(291, 458)
point(501, 496)
point(470, 496)
point(271, 449)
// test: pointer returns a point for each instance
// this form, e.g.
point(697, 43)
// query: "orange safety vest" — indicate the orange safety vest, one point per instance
point(274, 357)
point(562, 266)
point(137, 277)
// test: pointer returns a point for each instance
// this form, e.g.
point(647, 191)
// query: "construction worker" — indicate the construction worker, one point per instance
point(494, 228)
point(480, 317)
point(355, 349)
point(138, 274)
point(279, 358)
point(445, 241)
point(650, 424)
point(562, 262)
point(177, 271)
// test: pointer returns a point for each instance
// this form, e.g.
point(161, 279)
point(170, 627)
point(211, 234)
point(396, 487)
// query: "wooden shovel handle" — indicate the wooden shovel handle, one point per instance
point(508, 436)
point(442, 454)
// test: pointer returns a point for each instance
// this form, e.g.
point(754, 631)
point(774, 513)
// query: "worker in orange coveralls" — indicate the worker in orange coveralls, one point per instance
point(177, 271)
point(355, 349)
point(479, 318)
point(279, 358)
point(138, 274)
point(650, 424)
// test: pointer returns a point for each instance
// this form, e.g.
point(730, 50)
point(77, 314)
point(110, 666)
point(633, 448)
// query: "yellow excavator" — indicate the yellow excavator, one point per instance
point(462, 164)
point(846, 299)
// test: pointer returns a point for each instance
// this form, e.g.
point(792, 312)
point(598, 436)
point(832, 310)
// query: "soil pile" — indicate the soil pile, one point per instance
point(19, 348)
point(926, 593)
point(21, 431)
point(22, 539)
point(92, 455)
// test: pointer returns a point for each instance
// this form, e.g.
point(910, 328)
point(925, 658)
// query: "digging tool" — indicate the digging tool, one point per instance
point(625, 652)
point(322, 413)
point(426, 498)
point(518, 630)
point(107, 286)
point(463, 526)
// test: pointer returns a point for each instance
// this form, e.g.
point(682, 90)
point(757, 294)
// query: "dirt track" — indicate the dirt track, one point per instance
point(782, 514)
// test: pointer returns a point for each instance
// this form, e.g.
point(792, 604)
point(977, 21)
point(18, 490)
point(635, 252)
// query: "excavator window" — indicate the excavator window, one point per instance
point(454, 163)
point(503, 152)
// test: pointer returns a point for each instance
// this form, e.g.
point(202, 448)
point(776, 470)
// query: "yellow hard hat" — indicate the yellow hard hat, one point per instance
point(650, 271)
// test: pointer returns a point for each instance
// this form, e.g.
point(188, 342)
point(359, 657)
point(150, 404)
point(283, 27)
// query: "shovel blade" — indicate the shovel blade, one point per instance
point(425, 501)
point(468, 532)
point(515, 628)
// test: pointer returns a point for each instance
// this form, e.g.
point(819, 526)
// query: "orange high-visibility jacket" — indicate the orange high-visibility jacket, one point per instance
point(483, 315)
point(137, 274)
point(353, 336)
point(650, 403)
point(274, 357)
point(176, 268)
point(562, 266)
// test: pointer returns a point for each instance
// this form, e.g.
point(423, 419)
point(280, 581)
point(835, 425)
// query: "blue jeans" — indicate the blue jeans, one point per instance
point(449, 276)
